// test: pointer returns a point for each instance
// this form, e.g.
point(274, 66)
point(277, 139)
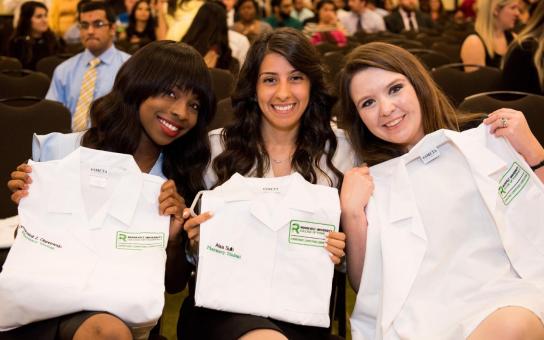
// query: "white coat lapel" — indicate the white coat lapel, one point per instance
point(404, 244)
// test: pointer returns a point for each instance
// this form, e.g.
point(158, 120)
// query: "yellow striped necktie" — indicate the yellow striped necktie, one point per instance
point(80, 121)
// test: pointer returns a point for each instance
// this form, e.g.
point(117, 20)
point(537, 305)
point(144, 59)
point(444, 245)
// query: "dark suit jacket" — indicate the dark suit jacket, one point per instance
point(394, 22)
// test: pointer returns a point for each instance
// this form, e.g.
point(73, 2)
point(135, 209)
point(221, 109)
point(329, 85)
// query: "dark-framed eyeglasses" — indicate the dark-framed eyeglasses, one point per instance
point(96, 24)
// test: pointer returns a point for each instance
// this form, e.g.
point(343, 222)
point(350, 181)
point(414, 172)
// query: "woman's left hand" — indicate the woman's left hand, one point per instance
point(512, 125)
point(171, 203)
point(335, 244)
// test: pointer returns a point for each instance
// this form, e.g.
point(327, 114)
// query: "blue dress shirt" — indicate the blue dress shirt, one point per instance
point(68, 76)
point(57, 145)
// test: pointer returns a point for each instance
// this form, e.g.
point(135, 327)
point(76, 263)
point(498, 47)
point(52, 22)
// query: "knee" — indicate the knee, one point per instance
point(103, 327)
point(521, 326)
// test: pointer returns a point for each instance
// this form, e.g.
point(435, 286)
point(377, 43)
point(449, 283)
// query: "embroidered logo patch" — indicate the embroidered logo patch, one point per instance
point(512, 183)
point(138, 241)
point(308, 233)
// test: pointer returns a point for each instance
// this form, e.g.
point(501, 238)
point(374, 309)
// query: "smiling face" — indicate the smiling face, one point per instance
point(388, 106)
point(283, 93)
point(167, 117)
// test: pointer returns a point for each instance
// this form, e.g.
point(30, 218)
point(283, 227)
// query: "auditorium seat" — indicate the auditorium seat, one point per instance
point(19, 123)
point(18, 83)
point(8, 63)
point(530, 104)
point(222, 83)
point(47, 65)
point(458, 84)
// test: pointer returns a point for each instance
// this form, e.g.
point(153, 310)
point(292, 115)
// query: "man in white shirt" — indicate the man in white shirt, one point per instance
point(359, 18)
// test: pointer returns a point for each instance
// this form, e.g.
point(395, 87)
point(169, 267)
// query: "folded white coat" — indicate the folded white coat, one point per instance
point(262, 252)
point(90, 238)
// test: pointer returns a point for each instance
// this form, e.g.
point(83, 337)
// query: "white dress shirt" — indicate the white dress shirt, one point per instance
point(454, 233)
point(263, 251)
point(371, 22)
point(409, 20)
point(90, 238)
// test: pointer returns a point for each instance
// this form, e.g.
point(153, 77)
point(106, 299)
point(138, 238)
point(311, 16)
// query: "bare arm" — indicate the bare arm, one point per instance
point(354, 195)
point(473, 52)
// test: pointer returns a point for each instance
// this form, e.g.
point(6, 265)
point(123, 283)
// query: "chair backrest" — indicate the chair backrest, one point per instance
point(452, 50)
point(19, 83)
point(458, 84)
point(224, 114)
point(430, 58)
point(530, 104)
point(8, 63)
point(18, 125)
point(334, 61)
point(48, 65)
point(222, 83)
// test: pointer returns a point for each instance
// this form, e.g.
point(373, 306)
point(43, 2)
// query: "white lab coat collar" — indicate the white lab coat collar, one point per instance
point(122, 203)
point(298, 197)
point(404, 243)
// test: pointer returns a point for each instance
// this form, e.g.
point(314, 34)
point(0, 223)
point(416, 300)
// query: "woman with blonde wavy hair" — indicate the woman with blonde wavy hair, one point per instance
point(494, 23)
point(523, 68)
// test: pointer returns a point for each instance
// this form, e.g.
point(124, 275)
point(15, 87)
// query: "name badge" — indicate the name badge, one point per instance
point(430, 155)
point(307, 233)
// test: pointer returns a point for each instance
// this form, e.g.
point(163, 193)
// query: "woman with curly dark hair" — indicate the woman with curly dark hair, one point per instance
point(32, 39)
point(282, 125)
point(157, 112)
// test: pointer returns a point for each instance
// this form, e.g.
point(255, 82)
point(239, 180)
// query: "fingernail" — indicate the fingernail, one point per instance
point(325, 244)
point(186, 214)
point(327, 235)
point(330, 254)
point(210, 213)
point(25, 187)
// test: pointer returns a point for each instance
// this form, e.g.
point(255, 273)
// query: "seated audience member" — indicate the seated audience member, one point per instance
point(359, 18)
point(477, 248)
point(141, 24)
point(89, 74)
point(523, 67)
point(249, 23)
point(32, 39)
point(371, 6)
point(438, 15)
point(281, 70)
point(494, 22)
point(209, 35)
point(327, 28)
point(300, 11)
point(341, 7)
point(407, 17)
point(14, 7)
point(281, 15)
point(164, 81)
point(202, 25)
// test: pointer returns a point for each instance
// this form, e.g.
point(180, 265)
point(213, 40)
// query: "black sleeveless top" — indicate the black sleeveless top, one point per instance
point(496, 60)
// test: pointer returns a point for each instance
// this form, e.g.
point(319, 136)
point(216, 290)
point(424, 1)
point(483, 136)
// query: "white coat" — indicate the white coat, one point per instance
point(263, 251)
point(90, 238)
point(398, 249)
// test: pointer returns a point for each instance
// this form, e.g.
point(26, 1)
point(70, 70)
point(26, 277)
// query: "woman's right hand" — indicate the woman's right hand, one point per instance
point(192, 225)
point(19, 182)
point(356, 190)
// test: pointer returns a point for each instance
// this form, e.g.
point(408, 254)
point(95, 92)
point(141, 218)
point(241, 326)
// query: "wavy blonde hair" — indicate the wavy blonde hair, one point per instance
point(485, 21)
point(535, 30)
